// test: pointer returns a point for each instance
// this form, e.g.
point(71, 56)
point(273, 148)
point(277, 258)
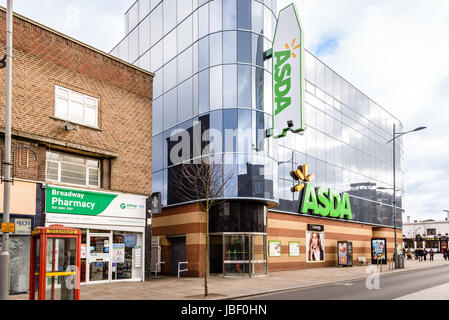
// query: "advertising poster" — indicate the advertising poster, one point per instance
point(294, 249)
point(343, 253)
point(379, 250)
point(315, 247)
point(275, 248)
point(118, 253)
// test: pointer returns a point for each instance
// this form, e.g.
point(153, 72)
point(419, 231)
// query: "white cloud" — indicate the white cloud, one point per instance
point(396, 52)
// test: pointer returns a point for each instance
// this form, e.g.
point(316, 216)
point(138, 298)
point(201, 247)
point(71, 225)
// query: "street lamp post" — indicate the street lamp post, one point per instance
point(395, 136)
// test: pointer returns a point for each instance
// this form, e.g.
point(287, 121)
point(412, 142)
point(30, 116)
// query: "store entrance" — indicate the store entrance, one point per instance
point(99, 258)
point(238, 254)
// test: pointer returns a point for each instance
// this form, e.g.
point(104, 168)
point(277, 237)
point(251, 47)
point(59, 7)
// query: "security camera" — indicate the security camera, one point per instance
point(290, 124)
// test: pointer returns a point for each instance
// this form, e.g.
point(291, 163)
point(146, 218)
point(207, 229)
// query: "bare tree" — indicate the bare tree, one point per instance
point(204, 181)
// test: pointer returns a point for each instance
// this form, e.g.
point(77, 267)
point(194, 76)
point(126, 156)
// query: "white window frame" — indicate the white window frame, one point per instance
point(85, 104)
point(86, 167)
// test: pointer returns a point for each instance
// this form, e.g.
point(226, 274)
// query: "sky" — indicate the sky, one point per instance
point(394, 51)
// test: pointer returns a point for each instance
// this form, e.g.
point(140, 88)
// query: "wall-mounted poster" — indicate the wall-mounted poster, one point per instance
point(275, 248)
point(379, 250)
point(315, 247)
point(293, 249)
point(342, 253)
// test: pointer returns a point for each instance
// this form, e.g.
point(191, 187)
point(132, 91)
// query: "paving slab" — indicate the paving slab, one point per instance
point(172, 288)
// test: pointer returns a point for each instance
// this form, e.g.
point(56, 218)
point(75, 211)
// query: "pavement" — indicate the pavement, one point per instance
point(435, 293)
point(172, 288)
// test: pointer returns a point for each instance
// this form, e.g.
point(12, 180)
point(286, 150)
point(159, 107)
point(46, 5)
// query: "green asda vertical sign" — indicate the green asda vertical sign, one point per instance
point(68, 201)
point(288, 73)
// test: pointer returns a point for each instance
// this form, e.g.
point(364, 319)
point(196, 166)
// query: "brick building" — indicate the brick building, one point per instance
point(81, 125)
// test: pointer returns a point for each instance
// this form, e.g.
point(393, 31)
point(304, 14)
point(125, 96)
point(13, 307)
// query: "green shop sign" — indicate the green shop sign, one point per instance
point(325, 202)
point(69, 201)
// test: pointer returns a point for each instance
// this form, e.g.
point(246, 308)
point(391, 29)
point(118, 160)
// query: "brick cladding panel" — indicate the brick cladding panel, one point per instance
point(43, 59)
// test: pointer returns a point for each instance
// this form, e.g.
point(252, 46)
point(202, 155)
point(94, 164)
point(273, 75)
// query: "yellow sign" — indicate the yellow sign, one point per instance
point(8, 227)
point(56, 231)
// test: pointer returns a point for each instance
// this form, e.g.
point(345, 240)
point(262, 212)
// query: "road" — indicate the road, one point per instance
point(391, 286)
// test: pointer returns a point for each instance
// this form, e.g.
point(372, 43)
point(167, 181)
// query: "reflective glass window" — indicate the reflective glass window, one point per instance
point(156, 57)
point(170, 75)
point(230, 125)
point(229, 86)
point(319, 67)
point(229, 14)
point(216, 49)
point(216, 15)
point(244, 14)
point(144, 8)
point(184, 9)
point(257, 50)
point(216, 123)
point(185, 34)
point(185, 65)
point(203, 91)
point(170, 15)
point(133, 16)
point(230, 47)
point(158, 148)
point(216, 87)
point(123, 49)
point(156, 25)
point(203, 20)
point(170, 50)
point(245, 132)
point(268, 94)
point(244, 86)
point(203, 53)
point(158, 115)
point(185, 99)
point(170, 108)
point(257, 17)
point(268, 23)
point(258, 90)
point(144, 35)
point(244, 46)
point(329, 80)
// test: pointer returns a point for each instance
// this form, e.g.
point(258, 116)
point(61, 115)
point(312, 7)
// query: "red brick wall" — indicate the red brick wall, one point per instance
point(43, 59)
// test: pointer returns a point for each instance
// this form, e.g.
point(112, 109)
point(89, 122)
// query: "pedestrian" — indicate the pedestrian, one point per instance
point(445, 254)
point(424, 254)
point(409, 254)
point(431, 253)
point(419, 254)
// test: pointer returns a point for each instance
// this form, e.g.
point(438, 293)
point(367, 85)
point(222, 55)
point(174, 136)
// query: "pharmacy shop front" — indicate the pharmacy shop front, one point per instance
point(113, 231)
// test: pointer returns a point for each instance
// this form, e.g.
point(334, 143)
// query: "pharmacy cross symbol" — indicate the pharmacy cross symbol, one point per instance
point(301, 175)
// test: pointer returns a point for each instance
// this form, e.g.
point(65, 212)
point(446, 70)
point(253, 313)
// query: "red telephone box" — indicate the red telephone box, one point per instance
point(55, 263)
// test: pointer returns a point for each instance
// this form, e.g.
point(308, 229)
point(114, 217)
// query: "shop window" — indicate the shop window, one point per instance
point(431, 232)
point(76, 107)
point(127, 255)
point(73, 169)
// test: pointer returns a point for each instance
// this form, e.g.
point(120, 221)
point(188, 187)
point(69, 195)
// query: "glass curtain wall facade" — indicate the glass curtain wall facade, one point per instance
point(208, 57)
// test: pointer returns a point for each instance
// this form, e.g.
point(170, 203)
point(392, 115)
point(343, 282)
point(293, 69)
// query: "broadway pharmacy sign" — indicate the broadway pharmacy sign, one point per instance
point(84, 206)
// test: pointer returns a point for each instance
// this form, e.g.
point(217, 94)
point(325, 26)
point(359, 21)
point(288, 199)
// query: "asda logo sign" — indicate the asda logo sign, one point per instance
point(282, 77)
point(288, 73)
point(326, 203)
point(320, 201)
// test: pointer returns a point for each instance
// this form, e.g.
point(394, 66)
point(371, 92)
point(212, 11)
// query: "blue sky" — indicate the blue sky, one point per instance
point(395, 51)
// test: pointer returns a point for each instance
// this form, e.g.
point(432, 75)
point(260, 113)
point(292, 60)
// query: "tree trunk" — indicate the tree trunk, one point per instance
point(206, 260)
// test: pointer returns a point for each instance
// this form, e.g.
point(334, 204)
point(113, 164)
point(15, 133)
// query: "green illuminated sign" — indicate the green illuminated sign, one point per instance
point(326, 203)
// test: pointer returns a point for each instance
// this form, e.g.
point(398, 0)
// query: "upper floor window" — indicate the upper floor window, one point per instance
point(73, 169)
point(76, 107)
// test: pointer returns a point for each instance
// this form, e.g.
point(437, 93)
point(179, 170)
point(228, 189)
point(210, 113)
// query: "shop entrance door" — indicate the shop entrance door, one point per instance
point(178, 254)
point(100, 257)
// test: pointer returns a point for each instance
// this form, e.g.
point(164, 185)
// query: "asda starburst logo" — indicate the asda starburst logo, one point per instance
point(303, 177)
point(292, 47)
point(282, 76)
